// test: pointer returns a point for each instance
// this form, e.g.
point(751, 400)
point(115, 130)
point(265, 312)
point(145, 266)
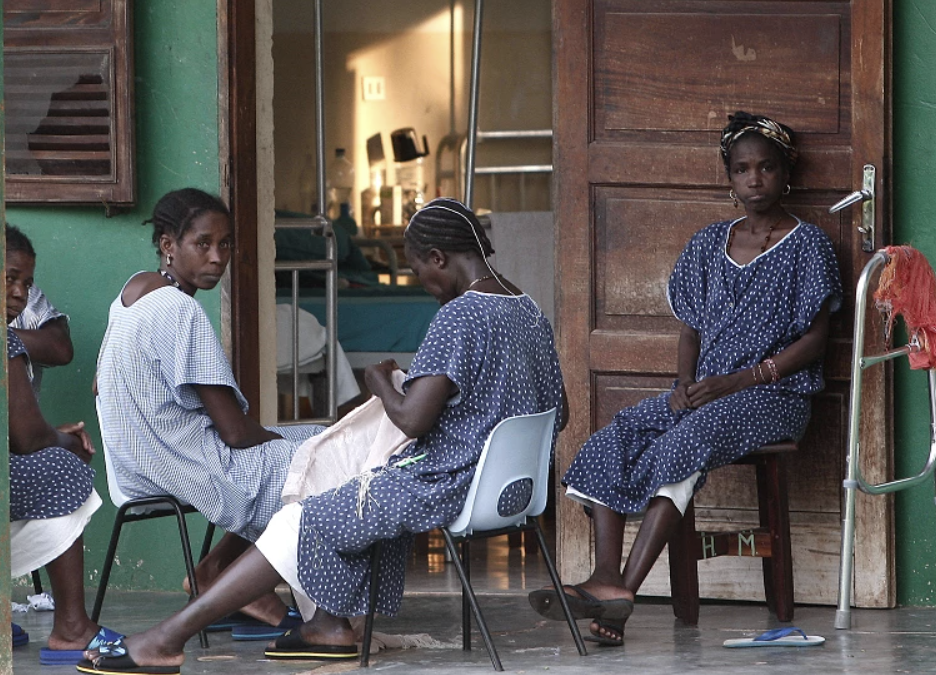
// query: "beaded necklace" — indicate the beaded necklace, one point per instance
point(731, 234)
point(171, 279)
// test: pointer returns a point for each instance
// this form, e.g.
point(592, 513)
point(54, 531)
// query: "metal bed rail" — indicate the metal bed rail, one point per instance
point(854, 479)
point(316, 225)
point(455, 145)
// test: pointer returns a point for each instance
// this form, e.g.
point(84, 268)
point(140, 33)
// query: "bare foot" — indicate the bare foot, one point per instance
point(72, 636)
point(608, 632)
point(336, 633)
point(599, 588)
point(146, 650)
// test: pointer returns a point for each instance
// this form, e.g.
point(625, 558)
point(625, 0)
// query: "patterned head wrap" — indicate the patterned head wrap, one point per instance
point(741, 123)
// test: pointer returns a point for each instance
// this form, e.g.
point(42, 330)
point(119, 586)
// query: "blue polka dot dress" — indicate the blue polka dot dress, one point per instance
point(499, 351)
point(743, 314)
point(49, 483)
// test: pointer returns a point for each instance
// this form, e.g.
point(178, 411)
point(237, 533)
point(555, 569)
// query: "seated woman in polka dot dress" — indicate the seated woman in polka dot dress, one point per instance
point(489, 354)
point(754, 296)
point(52, 499)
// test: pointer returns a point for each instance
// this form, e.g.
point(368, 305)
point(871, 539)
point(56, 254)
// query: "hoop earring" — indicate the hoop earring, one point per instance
point(733, 197)
point(786, 190)
point(168, 260)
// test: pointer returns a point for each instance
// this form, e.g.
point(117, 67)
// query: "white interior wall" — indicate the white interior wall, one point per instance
point(408, 43)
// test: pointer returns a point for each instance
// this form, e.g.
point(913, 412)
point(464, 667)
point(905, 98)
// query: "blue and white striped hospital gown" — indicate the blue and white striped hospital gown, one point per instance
point(157, 431)
point(499, 351)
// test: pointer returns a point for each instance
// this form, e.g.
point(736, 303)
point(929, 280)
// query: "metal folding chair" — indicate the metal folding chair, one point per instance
point(854, 479)
point(130, 510)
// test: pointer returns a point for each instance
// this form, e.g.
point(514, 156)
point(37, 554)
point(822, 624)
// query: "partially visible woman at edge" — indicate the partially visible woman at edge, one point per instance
point(52, 496)
point(754, 296)
point(174, 420)
point(489, 354)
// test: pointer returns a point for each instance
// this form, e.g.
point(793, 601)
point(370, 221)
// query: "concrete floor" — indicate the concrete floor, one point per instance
point(894, 641)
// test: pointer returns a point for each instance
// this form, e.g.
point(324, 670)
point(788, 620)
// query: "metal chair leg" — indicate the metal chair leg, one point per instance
point(189, 562)
point(467, 590)
point(465, 547)
point(557, 583)
point(207, 541)
point(108, 563)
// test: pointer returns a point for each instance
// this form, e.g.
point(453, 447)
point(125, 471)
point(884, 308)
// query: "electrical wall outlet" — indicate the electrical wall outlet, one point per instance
point(374, 88)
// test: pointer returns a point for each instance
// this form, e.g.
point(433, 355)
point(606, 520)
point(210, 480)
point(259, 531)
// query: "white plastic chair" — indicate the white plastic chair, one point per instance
point(131, 510)
point(508, 492)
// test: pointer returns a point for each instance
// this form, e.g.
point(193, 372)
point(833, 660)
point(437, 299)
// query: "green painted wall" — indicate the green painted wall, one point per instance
point(914, 223)
point(84, 258)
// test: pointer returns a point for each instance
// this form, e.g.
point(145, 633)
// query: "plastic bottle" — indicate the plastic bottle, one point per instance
point(410, 176)
point(340, 184)
point(370, 200)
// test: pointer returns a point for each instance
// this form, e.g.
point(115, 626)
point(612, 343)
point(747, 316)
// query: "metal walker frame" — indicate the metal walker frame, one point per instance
point(854, 479)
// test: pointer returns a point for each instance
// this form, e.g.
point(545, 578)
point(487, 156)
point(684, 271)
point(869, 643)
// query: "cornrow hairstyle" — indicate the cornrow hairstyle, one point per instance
point(742, 123)
point(17, 241)
point(448, 225)
point(174, 213)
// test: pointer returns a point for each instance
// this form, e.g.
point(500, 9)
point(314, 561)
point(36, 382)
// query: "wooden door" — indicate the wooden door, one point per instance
point(641, 93)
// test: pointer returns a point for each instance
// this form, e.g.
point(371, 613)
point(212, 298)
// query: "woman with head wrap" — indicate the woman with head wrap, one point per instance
point(488, 355)
point(754, 295)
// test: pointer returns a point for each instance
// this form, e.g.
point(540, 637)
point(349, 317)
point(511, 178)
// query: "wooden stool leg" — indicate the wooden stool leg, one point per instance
point(684, 570)
point(775, 515)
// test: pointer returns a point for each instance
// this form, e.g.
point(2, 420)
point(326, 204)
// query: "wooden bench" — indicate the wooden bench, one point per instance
point(770, 541)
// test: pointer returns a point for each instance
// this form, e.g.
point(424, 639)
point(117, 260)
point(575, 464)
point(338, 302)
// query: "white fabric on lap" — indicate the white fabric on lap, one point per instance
point(279, 544)
point(679, 493)
point(36, 543)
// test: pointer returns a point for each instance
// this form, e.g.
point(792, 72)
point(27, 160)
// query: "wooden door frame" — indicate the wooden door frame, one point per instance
point(573, 200)
point(237, 125)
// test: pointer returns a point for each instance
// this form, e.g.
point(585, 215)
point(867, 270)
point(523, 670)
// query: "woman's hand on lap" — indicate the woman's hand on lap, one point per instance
point(712, 388)
point(679, 399)
point(84, 448)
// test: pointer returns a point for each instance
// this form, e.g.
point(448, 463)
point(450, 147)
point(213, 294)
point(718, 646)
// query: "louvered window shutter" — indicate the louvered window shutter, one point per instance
point(68, 91)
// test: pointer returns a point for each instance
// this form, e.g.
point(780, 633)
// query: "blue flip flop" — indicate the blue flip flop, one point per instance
point(779, 637)
point(20, 637)
point(230, 622)
point(71, 657)
point(258, 630)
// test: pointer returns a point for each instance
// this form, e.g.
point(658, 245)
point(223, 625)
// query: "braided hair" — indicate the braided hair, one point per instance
point(742, 123)
point(174, 214)
point(17, 241)
point(448, 225)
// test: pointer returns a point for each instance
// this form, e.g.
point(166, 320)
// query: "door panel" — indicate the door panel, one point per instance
point(638, 172)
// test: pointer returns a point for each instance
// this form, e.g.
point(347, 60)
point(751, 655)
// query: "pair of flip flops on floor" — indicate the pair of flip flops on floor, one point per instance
point(244, 627)
point(609, 615)
point(779, 637)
